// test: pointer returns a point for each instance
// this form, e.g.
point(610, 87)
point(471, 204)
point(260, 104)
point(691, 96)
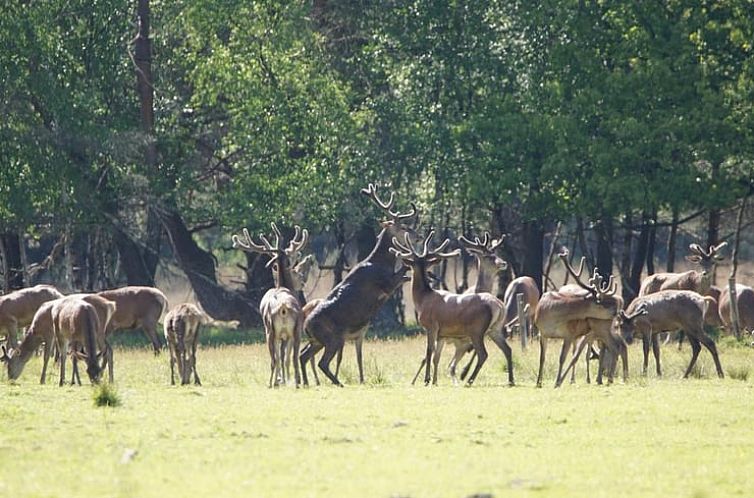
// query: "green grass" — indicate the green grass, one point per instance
point(235, 437)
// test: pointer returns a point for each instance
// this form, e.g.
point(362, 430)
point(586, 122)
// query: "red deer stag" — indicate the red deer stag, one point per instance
point(182, 335)
point(17, 309)
point(137, 307)
point(568, 316)
point(448, 316)
point(692, 280)
point(348, 308)
point(280, 307)
point(666, 311)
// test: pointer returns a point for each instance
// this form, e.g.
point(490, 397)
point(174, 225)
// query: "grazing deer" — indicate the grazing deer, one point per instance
point(348, 308)
point(280, 307)
point(75, 322)
point(666, 311)
point(745, 298)
point(182, 335)
point(445, 315)
point(137, 307)
point(17, 309)
point(570, 315)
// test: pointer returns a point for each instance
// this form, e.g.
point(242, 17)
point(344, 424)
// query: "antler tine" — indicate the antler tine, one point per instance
point(397, 214)
point(696, 248)
point(437, 252)
point(486, 241)
point(576, 275)
point(425, 247)
point(714, 249)
point(249, 245)
point(371, 191)
point(297, 243)
point(494, 244)
point(469, 245)
point(278, 236)
point(401, 250)
point(268, 246)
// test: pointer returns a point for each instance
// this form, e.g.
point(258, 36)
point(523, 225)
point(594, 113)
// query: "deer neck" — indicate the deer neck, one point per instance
point(705, 282)
point(381, 254)
point(484, 278)
point(420, 287)
point(284, 276)
point(28, 346)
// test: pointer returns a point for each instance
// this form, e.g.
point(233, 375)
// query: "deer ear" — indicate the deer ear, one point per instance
point(694, 258)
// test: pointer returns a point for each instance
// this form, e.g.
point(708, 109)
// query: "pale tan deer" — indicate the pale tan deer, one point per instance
point(568, 316)
point(745, 298)
point(666, 311)
point(692, 280)
point(137, 307)
point(181, 328)
point(445, 315)
point(75, 323)
point(17, 309)
point(280, 308)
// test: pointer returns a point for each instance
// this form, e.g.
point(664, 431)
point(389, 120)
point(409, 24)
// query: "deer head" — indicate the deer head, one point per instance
point(485, 249)
point(421, 261)
point(596, 287)
point(627, 322)
point(396, 222)
point(706, 259)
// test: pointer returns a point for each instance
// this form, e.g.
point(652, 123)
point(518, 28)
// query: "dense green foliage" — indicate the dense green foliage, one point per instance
point(282, 110)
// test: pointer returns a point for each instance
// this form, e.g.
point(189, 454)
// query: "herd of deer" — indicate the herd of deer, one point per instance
point(580, 314)
point(80, 325)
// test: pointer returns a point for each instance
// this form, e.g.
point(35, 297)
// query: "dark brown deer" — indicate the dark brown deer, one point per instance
point(349, 307)
point(445, 315)
point(568, 316)
point(280, 308)
point(665, 311)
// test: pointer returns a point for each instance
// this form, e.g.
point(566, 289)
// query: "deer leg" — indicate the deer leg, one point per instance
point(273, 364)
point(197, 381)
point(680, 339)
point(359, 343)
point(499, 340)
point(542, 353)
point(296, 348)
point(151, 331)
point(421, 367)
point(339, 359)
point(481, 354)
point(645, 339)
point(710, 345)
point(695, 348)
point(573, 371)
point(572, 363)
point(563, 354)
point(306, 356)
point(436, 359)
point(461, 350)
point(431, 343)
point(466, 369)
point(331, 349)
point(45, 361)
point(62, 346)
point(283, 351)
point(656, 353)
point(171, 347)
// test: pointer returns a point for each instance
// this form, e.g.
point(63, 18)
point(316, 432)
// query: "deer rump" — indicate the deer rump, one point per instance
point(284, 310)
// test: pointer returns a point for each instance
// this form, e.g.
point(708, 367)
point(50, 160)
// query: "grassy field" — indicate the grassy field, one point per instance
point(235, 437)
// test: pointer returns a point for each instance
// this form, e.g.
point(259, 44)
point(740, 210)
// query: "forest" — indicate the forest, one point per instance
point(138, 134)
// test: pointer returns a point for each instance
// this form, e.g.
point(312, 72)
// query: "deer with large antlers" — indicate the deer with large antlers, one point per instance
point(349, 307)
point(489, 265)
point(692, 280)
point(570, 315)
point(445, 315)
point(669, 310)
point(280, 307)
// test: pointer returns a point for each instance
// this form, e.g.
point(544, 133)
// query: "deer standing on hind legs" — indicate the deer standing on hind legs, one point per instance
point(445, 315)
point(350, 305)
point(279, 307)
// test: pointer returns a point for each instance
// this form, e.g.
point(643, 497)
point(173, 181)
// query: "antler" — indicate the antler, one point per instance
point(712, 253)
point(597, 286)
point(639, 311)
point(299, 240)
point(481, 245)
point(371, 191)
point(406, 251)
point(249, 245)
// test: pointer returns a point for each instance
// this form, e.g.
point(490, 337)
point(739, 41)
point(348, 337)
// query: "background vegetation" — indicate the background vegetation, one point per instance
point(138, 134)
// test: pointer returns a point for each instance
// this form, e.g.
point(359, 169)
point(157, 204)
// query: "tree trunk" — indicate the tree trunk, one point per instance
point(505, 277)
point(145, 86)
point(672, 241)
point(604, 229)
point(625, 262)
point(13, 272)
point(651, 244)
point(218, 301)
point(631, 290)
point(583, 247)
point(534, 238)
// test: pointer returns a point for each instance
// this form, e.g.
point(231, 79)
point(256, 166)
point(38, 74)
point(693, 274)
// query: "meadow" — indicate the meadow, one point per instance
point(235, 437)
